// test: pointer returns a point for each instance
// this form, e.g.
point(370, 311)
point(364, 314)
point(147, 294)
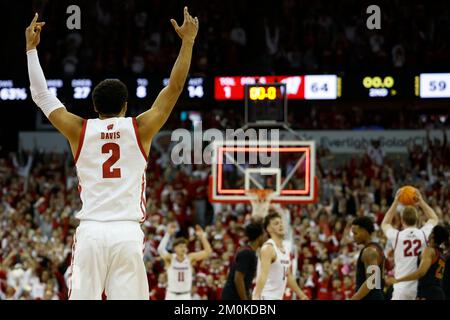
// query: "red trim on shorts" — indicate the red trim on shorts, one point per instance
point(136, 131)
point(80, 142)
point(71, 262)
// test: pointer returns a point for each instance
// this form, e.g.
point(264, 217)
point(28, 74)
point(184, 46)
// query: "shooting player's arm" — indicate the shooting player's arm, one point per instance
point(151, 121)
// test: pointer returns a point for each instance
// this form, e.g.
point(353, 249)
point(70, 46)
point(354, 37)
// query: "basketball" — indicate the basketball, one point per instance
point(408, 195)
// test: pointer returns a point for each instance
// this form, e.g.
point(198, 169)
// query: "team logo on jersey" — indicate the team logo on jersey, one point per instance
point(110, 127)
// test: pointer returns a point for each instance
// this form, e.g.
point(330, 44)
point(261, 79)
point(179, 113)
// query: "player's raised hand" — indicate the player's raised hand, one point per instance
point(199, 231)
point(189, 29)
point(419, 197)
point(33, 33)
point(172, 228)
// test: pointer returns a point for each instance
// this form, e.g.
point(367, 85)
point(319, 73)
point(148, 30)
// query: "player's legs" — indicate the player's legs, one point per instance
point(88, 268)
point(404, 294)
point(127, 277)
point(173, 296)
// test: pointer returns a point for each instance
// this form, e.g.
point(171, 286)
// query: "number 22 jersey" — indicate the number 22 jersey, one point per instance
point(111, 164)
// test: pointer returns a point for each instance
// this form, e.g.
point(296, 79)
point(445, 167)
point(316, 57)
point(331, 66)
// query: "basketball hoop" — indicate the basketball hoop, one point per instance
point(260, 200)
point(260, 194)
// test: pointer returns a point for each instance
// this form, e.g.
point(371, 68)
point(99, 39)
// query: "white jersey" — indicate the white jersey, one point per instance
point(278, 272)
point(408, 244)
point(179, 275)
point(111, 165)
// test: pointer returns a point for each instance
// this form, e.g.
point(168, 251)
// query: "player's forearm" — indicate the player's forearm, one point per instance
point(389, 216)
point(206, 245)
point(43, 98)
point(240, 287)
point(411, 277)
point(260, 282)
point(362, 292)
point(163, 245)
point(429, 212)
point(181, 67)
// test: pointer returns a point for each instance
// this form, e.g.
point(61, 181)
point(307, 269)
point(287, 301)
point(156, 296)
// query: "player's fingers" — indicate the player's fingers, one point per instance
point(33, 22)
point(196, 21)
point(186, 14)
point(175, 24)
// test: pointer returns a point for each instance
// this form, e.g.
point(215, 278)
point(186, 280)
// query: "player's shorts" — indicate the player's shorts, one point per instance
point(404, 293)
point(270, 298)
point(108, 257)
point(178, 295)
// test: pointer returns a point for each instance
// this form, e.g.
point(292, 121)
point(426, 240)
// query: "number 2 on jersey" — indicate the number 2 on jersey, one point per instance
point(109, 172)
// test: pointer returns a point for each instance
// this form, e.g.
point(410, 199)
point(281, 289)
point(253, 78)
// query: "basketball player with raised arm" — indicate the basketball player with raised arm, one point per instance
point(369, 282)
point(111, 158)
point(274, 272)
point(431, 267)
point(408, 243)
point(179, 264)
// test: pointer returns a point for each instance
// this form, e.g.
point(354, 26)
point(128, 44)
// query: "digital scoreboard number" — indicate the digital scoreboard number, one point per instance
point(433, 85)
point(379, 86)
point(265, 104)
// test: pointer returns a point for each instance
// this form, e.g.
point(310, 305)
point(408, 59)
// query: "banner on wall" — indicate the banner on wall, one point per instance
point(339, 141)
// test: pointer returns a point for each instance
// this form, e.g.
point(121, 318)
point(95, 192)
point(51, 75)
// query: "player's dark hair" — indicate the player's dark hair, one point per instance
point(109, 97)
point(409, 216)
point(440, 235)
point(253, 231)
point(180, 240)
point(270, 217)
point(365, 223)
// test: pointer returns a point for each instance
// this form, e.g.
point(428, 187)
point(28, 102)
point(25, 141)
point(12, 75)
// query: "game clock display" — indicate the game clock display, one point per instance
point(265, 103)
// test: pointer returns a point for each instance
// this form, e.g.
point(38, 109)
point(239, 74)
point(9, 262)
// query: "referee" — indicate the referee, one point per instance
point(243, 269)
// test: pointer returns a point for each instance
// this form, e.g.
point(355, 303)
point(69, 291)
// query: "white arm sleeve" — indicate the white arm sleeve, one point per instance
point(163, 244)
point(43, 98)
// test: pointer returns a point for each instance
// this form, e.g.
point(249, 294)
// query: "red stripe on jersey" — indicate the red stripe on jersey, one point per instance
point(80, 142)
point(71, 262)
point(396, 240)
point(425, 237)
point(143, 203)
point(136, 131)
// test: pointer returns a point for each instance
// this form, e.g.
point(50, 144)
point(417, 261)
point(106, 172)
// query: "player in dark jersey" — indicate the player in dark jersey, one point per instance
point(431, 267)
point(370, 266)
point(446, 279)
point(243, 269)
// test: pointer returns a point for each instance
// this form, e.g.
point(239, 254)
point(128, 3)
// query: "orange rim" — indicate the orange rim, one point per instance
point(262, 194)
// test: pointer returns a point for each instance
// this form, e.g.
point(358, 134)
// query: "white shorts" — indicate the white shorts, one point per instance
point(404, 293)
point(173, 296)
point(108, 257)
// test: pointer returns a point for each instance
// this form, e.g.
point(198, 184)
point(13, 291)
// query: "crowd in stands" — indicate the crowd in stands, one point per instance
point(136, 37)
point(39, 198)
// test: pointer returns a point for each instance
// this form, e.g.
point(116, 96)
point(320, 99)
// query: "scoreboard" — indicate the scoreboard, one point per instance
point(208, 90)
point(433, 85)
point(302, 87)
